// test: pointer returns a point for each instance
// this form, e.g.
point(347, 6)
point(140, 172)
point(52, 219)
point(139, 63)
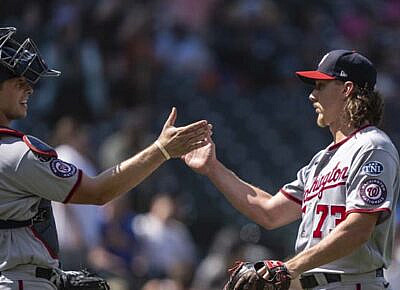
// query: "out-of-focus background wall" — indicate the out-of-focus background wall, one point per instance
point(125, 63)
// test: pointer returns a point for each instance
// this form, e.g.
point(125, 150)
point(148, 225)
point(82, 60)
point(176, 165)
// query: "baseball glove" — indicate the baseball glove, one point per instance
point(77, 280)
point(244, 276)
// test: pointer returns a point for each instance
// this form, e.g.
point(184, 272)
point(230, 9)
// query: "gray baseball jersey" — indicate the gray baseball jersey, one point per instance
point(29, 179)
point(358, 174)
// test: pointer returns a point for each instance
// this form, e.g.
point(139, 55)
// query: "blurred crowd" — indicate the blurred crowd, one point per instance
point(125, 63)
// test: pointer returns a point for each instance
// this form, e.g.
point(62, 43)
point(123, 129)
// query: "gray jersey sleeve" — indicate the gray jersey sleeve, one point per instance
point(49, 178)
point(295, 189)
point(371, 184)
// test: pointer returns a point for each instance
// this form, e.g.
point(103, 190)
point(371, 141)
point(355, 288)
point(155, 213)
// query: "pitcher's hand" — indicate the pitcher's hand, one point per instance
point(202, 159)
point(178, 141)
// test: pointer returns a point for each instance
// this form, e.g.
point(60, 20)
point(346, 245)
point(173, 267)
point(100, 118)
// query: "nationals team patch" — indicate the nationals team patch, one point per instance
point(62, 169)
point(373, 191)
point(373, 168)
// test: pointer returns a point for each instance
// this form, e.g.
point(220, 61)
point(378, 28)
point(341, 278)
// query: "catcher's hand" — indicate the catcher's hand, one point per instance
point(245, 276)
point(77, 280)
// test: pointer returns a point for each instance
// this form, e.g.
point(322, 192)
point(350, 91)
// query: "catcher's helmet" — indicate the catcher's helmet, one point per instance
point(21, 59)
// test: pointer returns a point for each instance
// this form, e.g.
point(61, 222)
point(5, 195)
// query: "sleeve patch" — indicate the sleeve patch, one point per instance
point(373, 191)
point(373, 168)
point(62, 169)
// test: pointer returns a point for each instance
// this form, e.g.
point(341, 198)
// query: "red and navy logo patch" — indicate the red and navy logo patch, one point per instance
point(373, 191)
point(62, 169)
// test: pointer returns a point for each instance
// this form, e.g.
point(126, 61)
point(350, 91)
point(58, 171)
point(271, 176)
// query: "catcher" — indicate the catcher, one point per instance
point(345, 196)
point(31, 176)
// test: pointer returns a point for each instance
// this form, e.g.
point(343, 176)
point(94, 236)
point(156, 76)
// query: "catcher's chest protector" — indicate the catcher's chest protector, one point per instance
point(44, 227)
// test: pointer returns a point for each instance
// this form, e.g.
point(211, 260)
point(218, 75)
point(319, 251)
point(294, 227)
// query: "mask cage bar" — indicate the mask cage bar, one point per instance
point(26, 60)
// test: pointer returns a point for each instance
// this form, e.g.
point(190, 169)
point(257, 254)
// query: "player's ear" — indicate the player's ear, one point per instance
point(348, 88)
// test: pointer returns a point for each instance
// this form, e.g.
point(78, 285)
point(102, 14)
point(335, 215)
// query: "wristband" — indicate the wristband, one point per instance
point(163, 150)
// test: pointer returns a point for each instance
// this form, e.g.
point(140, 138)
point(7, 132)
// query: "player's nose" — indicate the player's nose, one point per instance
point(312, 98)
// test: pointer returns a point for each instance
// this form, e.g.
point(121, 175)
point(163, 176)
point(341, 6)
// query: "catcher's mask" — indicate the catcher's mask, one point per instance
point(21, 59)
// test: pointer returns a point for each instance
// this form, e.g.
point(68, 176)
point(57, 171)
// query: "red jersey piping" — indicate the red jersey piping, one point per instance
point(73, 190)
point(335, 146)
point(372, 210)
point(291, 197)
point(12, 132)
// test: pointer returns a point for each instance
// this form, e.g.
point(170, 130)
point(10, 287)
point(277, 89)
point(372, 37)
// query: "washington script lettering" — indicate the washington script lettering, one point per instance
point(336, 177)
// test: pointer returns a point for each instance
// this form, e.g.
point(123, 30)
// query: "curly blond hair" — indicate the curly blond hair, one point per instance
point(364, 106)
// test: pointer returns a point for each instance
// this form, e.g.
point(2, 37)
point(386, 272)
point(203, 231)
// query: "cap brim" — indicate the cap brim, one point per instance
point(311, 76)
